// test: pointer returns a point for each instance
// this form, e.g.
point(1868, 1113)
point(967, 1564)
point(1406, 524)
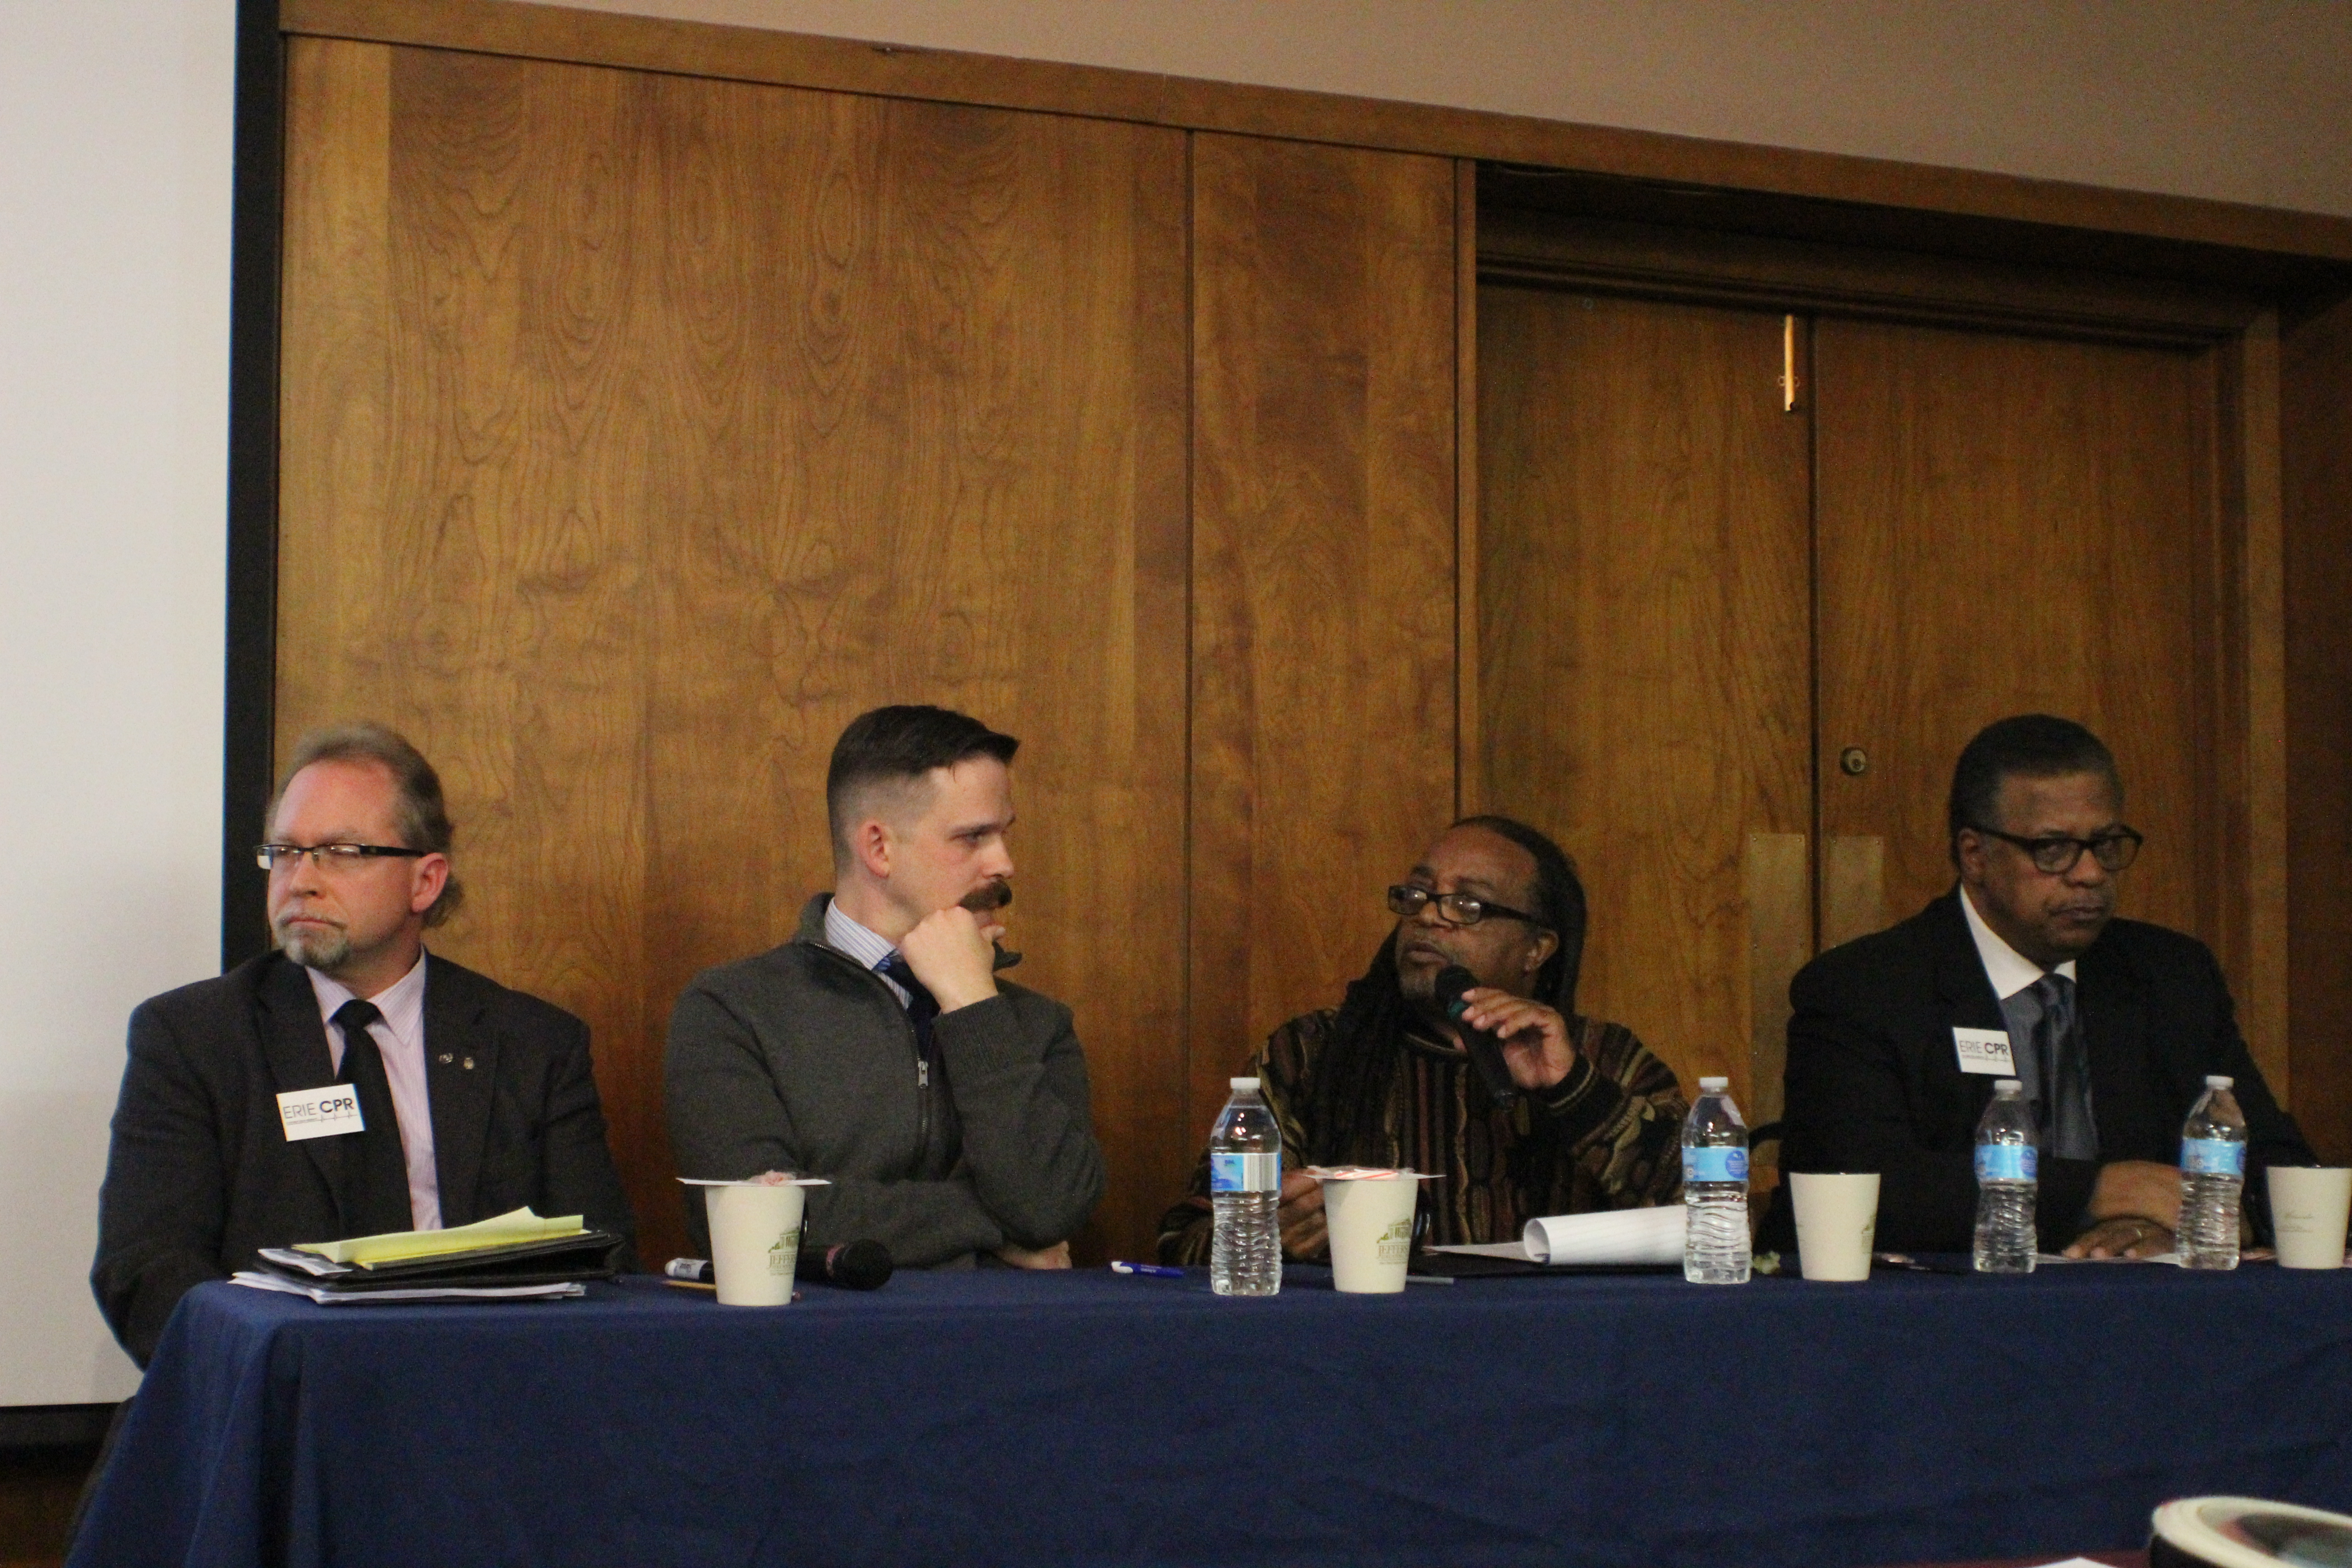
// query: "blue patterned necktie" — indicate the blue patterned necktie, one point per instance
point(921, 1006)
point(2065, 1090)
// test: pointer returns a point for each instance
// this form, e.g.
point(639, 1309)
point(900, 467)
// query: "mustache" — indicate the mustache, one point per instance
point(988, 898)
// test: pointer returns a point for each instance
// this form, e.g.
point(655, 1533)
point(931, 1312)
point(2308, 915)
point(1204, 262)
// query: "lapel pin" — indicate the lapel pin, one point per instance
point(469, 1063)
point(446, 1058)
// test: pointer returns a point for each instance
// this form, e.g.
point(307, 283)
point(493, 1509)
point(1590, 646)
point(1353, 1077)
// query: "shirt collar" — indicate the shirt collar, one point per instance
point(860, 945)
point(402, 1003)
point(2009, 971)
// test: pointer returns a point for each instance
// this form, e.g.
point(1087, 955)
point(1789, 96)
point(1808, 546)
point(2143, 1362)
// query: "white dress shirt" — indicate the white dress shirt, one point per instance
point(400, 1040)
point(2009, 971)
point(845, 936)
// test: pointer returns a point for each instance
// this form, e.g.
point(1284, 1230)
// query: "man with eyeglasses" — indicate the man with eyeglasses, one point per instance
point(1590, 1119)
point(2023, 970)
point(472, 1099)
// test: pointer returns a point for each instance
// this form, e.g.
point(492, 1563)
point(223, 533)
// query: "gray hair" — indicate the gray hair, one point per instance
point(419, 814)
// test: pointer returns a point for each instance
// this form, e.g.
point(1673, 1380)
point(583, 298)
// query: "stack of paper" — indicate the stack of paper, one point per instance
point(516, 1255)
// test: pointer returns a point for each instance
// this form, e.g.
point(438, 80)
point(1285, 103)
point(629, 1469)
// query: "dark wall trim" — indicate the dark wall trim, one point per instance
point(54, 1425)
point(249, 718)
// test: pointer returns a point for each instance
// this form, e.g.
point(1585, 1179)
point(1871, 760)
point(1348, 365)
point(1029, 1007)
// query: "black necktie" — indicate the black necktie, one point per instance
point(375, 1168)
point(921, 1006)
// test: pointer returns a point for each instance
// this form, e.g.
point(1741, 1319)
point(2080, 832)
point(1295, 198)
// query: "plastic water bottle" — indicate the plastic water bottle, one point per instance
point(1715, 1188)
point(1244, 1185)
point(2213, 1177)
point(2006, 1183)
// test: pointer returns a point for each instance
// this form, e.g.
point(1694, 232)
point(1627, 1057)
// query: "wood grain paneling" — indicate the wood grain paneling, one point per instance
point(1323, 624)
point(502, 27)
point(713, 414)
point(2315, 419)
point(2011, 525)
point(1644, 624)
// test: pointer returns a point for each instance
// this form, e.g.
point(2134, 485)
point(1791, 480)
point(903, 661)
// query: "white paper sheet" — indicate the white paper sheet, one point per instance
point(1650, 1235)
point(559, 1290)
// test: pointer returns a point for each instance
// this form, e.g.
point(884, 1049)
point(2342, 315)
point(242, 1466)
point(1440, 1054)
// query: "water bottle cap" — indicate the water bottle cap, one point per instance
point(1247, 1083)
point(2008, 1086)
point(2215, 1081)
point(1713, 1085)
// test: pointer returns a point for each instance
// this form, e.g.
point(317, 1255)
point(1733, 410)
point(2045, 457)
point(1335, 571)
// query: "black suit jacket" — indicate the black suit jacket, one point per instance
point(200, 1174)
point(1874, 1083)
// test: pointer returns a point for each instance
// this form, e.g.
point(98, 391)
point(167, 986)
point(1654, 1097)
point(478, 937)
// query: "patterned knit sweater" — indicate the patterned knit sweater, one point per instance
point(1607, 1136)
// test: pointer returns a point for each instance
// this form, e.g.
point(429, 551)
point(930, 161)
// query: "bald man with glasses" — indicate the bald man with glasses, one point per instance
point(2023, 970)
point(1568, 1114)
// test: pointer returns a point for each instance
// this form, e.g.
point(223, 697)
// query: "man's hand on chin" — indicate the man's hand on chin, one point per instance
point(1055, 1257)
point(953, 952)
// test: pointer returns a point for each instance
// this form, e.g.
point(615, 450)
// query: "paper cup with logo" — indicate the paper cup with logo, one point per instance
point(1837, 1219)
point(755, 1237)
point(2310, 1208)
point(1370, 1216)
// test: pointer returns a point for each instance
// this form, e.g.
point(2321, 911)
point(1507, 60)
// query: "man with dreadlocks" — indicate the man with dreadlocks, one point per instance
point(1384, 1080)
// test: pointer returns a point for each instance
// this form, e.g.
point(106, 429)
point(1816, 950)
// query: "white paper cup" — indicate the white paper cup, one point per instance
point(1837, 1218)
point(1370, 1221)
point(2309, 1210)
point(755, 1242)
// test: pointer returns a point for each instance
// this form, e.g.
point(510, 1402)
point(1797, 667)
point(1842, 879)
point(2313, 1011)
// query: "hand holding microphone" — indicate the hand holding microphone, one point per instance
point(1514, 1042)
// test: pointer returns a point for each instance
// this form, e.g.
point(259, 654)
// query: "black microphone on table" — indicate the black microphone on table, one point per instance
point(851, 1265)
point(1485, 1050)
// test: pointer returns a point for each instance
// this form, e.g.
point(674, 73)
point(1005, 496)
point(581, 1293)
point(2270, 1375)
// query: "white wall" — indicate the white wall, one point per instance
point(2247, 100)
point(114, 233)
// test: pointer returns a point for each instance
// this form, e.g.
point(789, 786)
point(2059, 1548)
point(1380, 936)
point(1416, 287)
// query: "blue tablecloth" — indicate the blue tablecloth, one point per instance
point(1001, 1417)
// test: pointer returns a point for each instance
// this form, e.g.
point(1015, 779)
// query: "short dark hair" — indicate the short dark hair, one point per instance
point(1559, 905)
point(419, 813)
point(895, 746)
point(2035, 745)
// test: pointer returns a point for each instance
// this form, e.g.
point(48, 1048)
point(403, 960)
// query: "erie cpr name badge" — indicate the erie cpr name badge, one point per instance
point(1984, 1051)
point(320, 1112)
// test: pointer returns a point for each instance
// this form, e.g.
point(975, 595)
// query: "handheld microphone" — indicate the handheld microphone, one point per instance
point(852, 1265)
point(1485, 1050)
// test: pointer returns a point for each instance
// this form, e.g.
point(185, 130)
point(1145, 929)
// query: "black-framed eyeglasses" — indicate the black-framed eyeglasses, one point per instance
point(1453, 909)
point(2055, 854)
point(328, 857)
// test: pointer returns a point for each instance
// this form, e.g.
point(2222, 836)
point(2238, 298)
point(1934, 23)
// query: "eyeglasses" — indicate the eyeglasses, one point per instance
point(327, 856)
point(2056, 854)
point(1453, 909)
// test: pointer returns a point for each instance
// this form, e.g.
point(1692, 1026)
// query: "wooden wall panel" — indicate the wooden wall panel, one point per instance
point(2315, 417)
point(1644, 638)
point(1323, 622)
point(720, 413)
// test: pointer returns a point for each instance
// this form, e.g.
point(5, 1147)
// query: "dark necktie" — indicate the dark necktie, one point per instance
point(2065, 1090)
point(375, 1168)
point(921, 1006)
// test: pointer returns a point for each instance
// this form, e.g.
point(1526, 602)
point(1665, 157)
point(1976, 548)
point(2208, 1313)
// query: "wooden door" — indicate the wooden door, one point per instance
point(639, 430)
point(2012, 524)
point(1643, 682)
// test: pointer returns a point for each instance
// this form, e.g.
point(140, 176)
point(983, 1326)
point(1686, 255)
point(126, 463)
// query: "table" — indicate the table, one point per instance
point(1008, 1417)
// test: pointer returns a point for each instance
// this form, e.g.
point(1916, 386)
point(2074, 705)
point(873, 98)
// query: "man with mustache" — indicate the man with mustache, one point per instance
point(473, 1100)
point(1386, 1079)
point(2023, 970)
point(878, 1048)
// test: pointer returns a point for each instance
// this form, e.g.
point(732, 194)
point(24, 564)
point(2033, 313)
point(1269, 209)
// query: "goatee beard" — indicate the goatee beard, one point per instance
point(325, 949)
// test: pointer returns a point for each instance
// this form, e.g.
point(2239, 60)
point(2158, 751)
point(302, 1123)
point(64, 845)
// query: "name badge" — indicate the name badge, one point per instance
point(1984, 1051)
point(320, 1112)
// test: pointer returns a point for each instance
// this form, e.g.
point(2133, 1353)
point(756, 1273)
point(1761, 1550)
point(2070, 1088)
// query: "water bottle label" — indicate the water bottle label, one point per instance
point(2006, 1162)
point(2213, 1156)
point(1715, 1164)
point(1245, 1172)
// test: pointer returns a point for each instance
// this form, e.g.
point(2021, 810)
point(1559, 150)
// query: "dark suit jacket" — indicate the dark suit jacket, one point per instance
point(1874, 1084)
point(200, 1174)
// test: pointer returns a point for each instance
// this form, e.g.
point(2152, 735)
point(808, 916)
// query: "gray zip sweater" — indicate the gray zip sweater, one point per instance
point(800, 1059)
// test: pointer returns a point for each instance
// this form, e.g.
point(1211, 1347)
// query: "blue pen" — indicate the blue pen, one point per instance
point(1157, 1270)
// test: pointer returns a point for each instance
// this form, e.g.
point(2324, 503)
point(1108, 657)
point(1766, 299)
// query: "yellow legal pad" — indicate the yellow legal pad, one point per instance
point(403, 1245)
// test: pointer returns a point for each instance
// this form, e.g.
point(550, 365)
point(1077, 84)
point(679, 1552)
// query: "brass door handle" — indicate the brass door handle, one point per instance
point(1854, 760)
